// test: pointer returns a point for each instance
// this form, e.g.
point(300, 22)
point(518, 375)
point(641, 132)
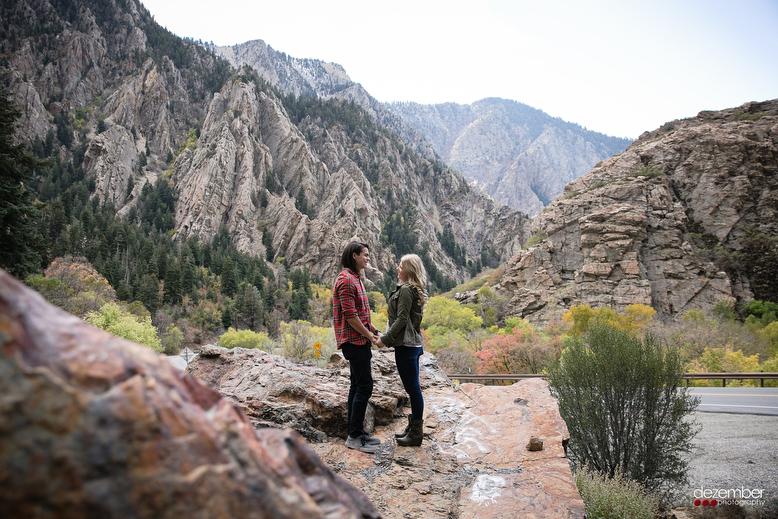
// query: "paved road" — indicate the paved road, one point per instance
point(741, 400)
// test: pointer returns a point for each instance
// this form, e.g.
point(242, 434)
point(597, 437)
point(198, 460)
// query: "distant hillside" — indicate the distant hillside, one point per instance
point(519, 155)
point(685, 218)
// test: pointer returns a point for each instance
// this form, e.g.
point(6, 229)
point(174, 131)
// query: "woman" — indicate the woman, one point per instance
point(405, 306)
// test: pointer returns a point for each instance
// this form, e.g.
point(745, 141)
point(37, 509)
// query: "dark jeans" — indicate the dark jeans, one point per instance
point(407, 360)
point(358, 357)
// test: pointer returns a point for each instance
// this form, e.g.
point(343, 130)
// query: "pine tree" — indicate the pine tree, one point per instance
point(187, 275)
point(259, 281)
point(229, 281)
point(267, 241)
point(149, 293)
point(173, 291)
point(21, 244)
point(227, 319)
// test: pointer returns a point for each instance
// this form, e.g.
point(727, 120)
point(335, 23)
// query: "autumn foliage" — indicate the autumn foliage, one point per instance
point(74, 285)
point(522, 349)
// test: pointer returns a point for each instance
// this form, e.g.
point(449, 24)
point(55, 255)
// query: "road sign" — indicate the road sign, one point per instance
point(187, 355)
point(317, 347)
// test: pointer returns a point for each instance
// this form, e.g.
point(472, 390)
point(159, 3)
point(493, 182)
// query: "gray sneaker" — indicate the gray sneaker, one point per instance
point(361, 445)
point(371, 440)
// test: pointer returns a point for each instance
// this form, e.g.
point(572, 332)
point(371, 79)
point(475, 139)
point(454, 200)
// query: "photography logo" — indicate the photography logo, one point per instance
point(729, 496)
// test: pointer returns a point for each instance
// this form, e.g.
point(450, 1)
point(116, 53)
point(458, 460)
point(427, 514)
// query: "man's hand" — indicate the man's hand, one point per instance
point(379, 342)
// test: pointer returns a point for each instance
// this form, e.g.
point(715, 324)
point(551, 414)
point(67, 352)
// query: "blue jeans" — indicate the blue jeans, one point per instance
point(358, 357)
point(407, 360)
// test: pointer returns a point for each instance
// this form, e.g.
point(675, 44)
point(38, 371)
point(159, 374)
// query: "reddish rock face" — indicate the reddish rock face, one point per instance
point(472, 463)
point(96, 426)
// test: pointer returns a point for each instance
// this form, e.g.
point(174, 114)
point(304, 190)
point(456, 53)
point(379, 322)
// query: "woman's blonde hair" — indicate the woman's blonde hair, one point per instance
point(417, 276)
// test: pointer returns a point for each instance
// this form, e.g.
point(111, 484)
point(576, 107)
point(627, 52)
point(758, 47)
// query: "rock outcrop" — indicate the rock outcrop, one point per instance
point(249, 149)
point(473, 462)
point(517, 154)
point(95, 426)
point(300, 77)
point(686, 217)
point(315, 78)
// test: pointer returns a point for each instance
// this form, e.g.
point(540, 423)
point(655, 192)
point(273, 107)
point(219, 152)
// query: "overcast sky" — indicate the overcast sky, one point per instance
point(616, 67)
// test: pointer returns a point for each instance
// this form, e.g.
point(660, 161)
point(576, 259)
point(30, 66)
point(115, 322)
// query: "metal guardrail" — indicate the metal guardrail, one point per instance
point(730, 376)
point(472, 377)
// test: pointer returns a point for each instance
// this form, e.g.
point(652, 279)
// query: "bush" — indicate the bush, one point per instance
point(113, 319)
point(614, 497)
point(245, 339)
point(623, 399)
point(298, 338)
point(171, 340)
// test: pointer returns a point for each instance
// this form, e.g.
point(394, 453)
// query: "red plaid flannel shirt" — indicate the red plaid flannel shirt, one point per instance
point(349, 299)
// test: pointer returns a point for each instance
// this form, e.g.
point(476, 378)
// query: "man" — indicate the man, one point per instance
point(355, 335)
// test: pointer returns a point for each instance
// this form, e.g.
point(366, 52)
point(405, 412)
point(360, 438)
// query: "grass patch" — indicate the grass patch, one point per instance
point(614, 498)
point(650, 171)
point(534, 240)
point(471, 284)
point(741, 116)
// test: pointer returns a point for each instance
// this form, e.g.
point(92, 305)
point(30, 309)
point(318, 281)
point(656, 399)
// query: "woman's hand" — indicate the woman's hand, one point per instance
point(380, 343)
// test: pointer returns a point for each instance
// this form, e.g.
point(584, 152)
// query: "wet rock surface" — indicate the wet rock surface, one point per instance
point(473, 461)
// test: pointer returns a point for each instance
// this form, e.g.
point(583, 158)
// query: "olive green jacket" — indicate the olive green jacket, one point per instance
point(405, 315)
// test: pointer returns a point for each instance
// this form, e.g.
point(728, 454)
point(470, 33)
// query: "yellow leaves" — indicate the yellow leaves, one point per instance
point(637, 317)
point(113, 319)
point(245, 339)
point(634, 319)
point(380, 319)
point(450, 314)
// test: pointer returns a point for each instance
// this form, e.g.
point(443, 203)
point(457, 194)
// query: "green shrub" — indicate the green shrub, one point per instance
point(113, 319)
point(625, 406)
point(171, 340)
point(245, 339)
point(534, 240)
point(614, 497)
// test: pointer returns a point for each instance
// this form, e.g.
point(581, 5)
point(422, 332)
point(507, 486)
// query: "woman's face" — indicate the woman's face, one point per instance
point(401, 274)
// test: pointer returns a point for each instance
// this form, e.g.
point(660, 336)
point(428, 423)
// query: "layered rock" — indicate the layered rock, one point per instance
point(672, 223)
point(519, 155)
point(301, 77)
point(95, 426)
point(473, 462)
point(312, 77)
point(247, 137)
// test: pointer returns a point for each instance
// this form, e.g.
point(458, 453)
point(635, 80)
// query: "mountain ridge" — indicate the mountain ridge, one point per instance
point(686, 218)
point(519, 155)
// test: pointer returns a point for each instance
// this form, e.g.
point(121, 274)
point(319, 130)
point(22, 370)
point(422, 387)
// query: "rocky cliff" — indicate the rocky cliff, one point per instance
point(132, 104)
point(473, 462)
point(95, 426)
point(517, 154)
point(324, 185)
point(315, 78)
point(686, 217)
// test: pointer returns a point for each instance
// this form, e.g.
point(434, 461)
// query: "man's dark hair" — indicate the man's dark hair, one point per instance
point(347, 260)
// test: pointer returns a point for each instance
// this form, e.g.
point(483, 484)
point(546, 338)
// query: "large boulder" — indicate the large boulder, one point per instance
point(96, 426)
point(473, 462)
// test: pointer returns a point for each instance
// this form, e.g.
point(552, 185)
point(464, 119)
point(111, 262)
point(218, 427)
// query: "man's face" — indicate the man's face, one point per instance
point(362, 259)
